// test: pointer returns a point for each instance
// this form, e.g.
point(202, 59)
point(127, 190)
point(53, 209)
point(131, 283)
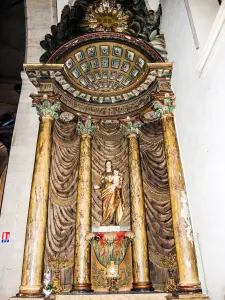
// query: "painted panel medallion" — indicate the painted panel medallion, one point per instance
point(98, 75)
point(105, 74)
point(129, 55)
point(117, 51)
point(126, 81)
point(125, 67)
point(83, 81)
point(69, 63)
point(90, 76)
point(120, 77)
point(104, 62)
point(115, 63)
point(85, 67)
point(91, 51)
point(94, 63)
point(76, 73)
point(113, 75)
point(140, 62)
point(134, 72)
point(80, 56)
point(104, 50)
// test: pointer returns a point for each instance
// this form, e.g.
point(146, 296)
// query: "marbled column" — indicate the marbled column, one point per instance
point(31, 283)
point(186, 258)
point(141, 278)
point(82, 263)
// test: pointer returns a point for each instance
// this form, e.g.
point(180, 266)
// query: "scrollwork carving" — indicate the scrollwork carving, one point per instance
point(142, 24)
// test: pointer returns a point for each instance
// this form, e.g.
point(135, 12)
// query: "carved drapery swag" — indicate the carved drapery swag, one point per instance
point(62, 201)
point(109, 143)
point(157, 201)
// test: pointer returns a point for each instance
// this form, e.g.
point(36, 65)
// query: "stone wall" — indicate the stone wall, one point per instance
point(201, 131)
point(40, 16)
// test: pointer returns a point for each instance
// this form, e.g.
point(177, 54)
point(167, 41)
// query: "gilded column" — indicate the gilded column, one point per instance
point(141, 277)
point(31, 282)
point(82, 263)
point(186, 258)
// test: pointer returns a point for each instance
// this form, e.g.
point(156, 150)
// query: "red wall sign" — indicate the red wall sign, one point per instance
point(5, 237)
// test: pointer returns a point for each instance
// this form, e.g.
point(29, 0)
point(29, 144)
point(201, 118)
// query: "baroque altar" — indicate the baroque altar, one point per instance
point(108, 206)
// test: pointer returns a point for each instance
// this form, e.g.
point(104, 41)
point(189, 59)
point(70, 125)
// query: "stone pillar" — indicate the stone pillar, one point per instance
point(186, 258)
point(31, 282)
point(82, 263)
point(141, 277)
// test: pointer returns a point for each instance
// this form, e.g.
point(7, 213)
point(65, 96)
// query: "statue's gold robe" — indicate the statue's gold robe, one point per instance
point(112, 202)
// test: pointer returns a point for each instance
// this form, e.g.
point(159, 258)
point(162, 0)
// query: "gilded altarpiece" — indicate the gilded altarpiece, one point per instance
point(114, 215)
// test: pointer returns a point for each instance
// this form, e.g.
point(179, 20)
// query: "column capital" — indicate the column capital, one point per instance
point(131, 127)
point(86, 127)
point(164, 105)
point(46, 107)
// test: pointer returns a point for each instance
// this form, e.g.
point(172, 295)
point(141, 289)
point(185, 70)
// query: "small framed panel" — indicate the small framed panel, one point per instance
point(69, 63)
point(79, 56)
point(105, 75)
point(134, 72)
point(111, 84)
point(120, 77)
point(90, 77)
point(117, 51)
point(104, 50)
point(85, 67)
point(76, 73)
point(129, 55)
point(91, 51)
point(104, 62)
point(140, 62)
point(125, 67)
point(126, 81)
point(94, 63)
point(98, 75)
point(115, 63)
point(113, 75)
point(83, 81)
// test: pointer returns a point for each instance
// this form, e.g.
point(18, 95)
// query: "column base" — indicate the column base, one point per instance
point(192, 288)
point(28, 295)
point(82, 288)
point(142, 287)
point(30, 292)
point(188, 296)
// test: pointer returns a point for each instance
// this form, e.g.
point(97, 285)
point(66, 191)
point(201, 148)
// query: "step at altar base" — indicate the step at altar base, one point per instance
point(188, 297)
point(119, 296)
point(103, 296)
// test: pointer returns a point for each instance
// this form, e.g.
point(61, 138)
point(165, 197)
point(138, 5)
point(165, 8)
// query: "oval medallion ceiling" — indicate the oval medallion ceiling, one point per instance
point(106, 68)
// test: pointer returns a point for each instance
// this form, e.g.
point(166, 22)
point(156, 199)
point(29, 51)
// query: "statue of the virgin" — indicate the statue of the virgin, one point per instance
point(111, 195)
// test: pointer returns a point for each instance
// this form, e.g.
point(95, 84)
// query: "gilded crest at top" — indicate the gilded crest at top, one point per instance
point(106, 16)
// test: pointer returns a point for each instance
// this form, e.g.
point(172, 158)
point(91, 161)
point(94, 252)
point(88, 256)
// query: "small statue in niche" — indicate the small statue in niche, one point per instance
point(111, 195)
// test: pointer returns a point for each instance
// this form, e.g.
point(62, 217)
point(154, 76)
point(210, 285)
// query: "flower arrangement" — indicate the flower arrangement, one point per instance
point(47, 287)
